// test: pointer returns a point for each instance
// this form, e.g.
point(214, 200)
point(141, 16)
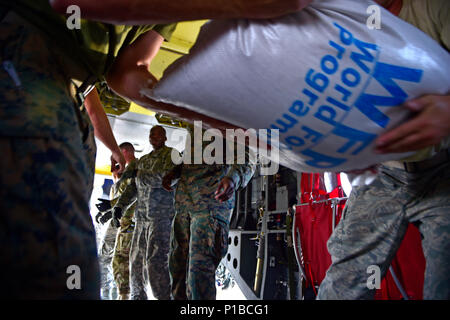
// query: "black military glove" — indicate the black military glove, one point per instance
point(104, 205)
point(117, 214)
point(98, 216)
point(106, 216)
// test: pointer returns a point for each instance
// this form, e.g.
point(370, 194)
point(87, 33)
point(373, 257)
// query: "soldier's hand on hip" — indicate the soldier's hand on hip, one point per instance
point(225, 189)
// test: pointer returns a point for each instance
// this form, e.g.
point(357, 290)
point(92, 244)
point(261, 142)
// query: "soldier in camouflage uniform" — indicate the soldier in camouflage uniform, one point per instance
point(115, 243)
point(415, 190)
point(108, 288)
point(204, 201)
point(121, 257)
point(48, 240)
point(47, 173)
point(153, 217)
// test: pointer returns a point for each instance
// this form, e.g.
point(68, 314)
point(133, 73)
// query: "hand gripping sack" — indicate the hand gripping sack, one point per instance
point(327, 82)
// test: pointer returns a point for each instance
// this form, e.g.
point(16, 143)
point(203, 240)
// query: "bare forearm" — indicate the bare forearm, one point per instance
point(130, 74)
point(429, 124)
point(163, 11)
point(186, 114)
point(102, 128)
point(129, 85)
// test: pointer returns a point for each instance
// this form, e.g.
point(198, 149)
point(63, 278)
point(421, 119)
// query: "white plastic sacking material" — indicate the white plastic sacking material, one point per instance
point(328, 82)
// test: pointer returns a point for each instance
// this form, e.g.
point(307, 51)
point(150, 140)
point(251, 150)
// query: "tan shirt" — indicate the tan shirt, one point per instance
point(433, 18)
point(430, 16)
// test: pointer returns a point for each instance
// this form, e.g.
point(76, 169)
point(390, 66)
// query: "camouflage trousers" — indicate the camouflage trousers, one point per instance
point(106, 252)
point(47, 167)
point(45, 227)
point(374, 224)
point(199, 236)
point(149, 258)
point(108, 288)
point(199, 242)
point(121, 259)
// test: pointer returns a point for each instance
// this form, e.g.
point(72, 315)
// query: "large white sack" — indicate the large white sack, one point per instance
point(321, 76)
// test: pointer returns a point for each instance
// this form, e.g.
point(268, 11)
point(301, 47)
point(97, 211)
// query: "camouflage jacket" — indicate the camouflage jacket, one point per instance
point(239, 173)
point(146, 185)
point(120, 186)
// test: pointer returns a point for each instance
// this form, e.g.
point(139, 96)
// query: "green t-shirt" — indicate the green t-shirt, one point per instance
point(90, 45)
